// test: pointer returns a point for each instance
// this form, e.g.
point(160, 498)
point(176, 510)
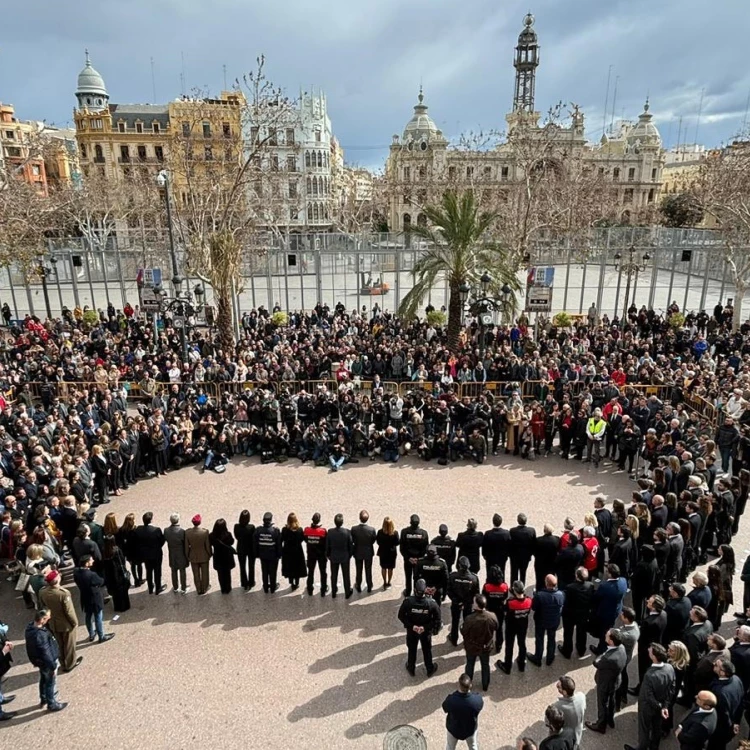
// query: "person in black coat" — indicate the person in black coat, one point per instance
point(522, 543)
point(446, 546)
point(495, 545)
point(469, 544)
point(92, 599)
point(267, 547)
point(339, 550)
point(115, 574)
point(644, 580)
point(545, 555)
point(149, 541)
point(622, 552)
point(579, 596)
point(652, 631)
point(243, 534)
point(695, 639)
point(569, 559)
point(6, 659)
point(413, 543)
point(698, 726)
point(363, 537)
point(222, 543)
point(727, 688)
point(678, 614)
point(293, 565)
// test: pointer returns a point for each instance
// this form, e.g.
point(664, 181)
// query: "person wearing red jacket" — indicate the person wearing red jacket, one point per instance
point(591, 547)
point(516, 626)
point(496, 593)
point(315, 539)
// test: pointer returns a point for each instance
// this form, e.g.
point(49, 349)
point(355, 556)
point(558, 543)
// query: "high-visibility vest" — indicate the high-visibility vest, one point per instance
point(595, 427)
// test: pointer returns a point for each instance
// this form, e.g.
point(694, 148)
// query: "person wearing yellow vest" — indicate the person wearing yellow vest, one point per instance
point(595, 429)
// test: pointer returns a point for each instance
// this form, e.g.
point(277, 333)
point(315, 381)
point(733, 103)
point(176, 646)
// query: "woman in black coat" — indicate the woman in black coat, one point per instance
point(387, 539)
point(293, 565)
point(243, 533)
point(128, 545)
point(223, 554)
point(100, 470)
point(116, 575)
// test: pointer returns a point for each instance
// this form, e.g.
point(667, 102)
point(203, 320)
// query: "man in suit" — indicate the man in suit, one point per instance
point(695, 639)
point(496, 544)
point(92, 600)
point(739, 653)
point(696, 728)
point(63, 621)
point(174, 535)
point(678, 614)
point(608, 604)
point(150, 540)
point(469, 544)
point(363, 538)
point(629, 633)
point(339, 549)
point(198, 553)
point(609, 666)
point(654, 699)
point(522, 542)
point(545, 555)
point(727, 688)
point(547, 606)
point(704, 671)
point(267, 548)
point(576, 613)
point(652, 630)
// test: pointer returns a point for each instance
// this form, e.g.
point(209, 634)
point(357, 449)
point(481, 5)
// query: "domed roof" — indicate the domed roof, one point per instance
point(527, 35)
point(90, 81)
point(421, 125)
point(644, 131)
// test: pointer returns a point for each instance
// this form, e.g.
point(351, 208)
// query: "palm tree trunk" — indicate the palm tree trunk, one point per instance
point(224, 319)
point(455, 315)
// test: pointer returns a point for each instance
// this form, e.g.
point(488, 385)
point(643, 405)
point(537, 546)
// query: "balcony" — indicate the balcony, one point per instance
point(98, 160)
point(124, 160)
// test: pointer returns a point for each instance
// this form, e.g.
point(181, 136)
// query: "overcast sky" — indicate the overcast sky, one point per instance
point(370, 55)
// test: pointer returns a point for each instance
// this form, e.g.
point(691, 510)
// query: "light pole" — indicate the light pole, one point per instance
point(483, 305)
point(631, 266)
point(44, 271)
point(182, 309)
point(162, 180)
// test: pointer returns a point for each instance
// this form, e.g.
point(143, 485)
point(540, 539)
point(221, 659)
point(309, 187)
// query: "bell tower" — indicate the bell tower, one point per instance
point(525, 63)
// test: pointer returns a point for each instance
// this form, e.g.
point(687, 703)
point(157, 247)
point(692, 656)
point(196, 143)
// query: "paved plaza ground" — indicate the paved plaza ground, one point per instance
point(259, 671)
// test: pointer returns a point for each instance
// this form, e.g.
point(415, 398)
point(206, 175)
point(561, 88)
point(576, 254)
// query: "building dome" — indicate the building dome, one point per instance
point(90, 81)
point(527, 35)
point(644, 132)
point(421, 126)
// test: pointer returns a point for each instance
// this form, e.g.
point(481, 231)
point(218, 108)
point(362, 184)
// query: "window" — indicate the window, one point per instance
point(206, 129)
point(628, 197)
point(307, 158)
point(159, 151)
point(631, 174)
point(316, 212)
point(142, 153)
point(505, 173)
point(10, 135)
point(451, 173)
point(13, 151)
point(292, 188)
point(272, 137)
point(291, 163)
point(226, 129)
point(651, 194)
point(315, 186)
point(254, 132)
point(124, 154)
point(488, 172)
point(422, 172)
point(317, 135)
point(309, 213)
point(469, 173)
point(275, 162)
point(208, 153)
point(320, 158)
point(601, 171)
point(616, 174)
point(96, 124)
point(407, 174)
point(139, 127)
point(156, 128)
point(83, 150)
point(290, 136)
point(185, 129)
point(35, 170)
point(653, 173)
point(98, 153)
point(121, 127)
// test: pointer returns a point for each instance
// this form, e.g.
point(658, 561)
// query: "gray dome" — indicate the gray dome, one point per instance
point(90, 81)
point(644, 131)
point(421, 125)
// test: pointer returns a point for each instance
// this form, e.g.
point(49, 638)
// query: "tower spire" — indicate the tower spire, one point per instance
point(526, 62)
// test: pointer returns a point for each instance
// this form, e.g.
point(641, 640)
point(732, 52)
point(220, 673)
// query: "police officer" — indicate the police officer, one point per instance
point(434, 572)
point(267, 545)
point(445, 546)
point(463, 586)
point(315, 538)
point(517, 613)
point(420, 615)
point(413, 544)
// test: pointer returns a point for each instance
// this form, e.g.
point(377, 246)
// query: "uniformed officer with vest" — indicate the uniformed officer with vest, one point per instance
point(413, 543)
point(420, 615)
point(315, 539)
point(445, 546)
point(463, 586)
point(595, 429)
point(434, 572)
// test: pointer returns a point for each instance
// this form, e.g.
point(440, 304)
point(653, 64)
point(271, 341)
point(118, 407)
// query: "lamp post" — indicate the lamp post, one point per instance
point(483, 305)
point(162, 180)
point(182, 309)
point(43, 272)
point(632, 266)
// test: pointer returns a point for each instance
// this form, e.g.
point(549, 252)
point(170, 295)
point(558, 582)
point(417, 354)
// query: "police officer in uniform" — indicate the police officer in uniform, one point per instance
point(420, 615)
point(315, 538)
point(517, 613)
point(463, 586)
point(445, 546)
point(267, 545)
point(434, 572)
point(413, 544)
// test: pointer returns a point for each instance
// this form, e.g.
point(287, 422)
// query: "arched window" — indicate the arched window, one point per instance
point(407, 222)
point(309, 212)
point(326, 210)
point(309, 185)
point(315, 212)
point(307, 158)
point(98, 153)
point(315, 186)
point(421, 220)
point(320, 158)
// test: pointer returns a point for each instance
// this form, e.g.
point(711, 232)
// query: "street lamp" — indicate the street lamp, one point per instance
point(506, 290)
point(632, 266)
point(162, 180)
point(482, 307)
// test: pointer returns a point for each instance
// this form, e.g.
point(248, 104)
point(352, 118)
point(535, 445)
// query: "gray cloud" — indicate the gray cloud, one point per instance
point(370, 55)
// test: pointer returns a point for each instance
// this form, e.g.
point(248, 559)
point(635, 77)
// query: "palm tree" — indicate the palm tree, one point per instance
point(458, 250)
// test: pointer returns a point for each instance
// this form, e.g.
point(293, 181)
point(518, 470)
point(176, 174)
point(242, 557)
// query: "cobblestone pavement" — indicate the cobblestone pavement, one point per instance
point(260, 671)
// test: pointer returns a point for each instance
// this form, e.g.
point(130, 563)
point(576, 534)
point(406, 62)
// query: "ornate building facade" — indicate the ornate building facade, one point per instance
point(422, 163)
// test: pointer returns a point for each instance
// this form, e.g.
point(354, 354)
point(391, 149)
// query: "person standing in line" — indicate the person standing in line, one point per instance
point(463, 586)
point(315, 539)
point(560, 737)
point(576, 613)
point(63, 621)
point(495, 544)
point(150, 541)
point(516, 627)
point(293, 566)
point(174, 535)
point(573, 706)
point(595, 430)
point(363, 537)
point(43, 653)
point(727, 688)
point(522, 543)
point(198, 552)
point(222, 543)
point(469, 544)
point(547, 606)
point(445, 546)
point(116, 576)
point(607, 604)
point(420, 615)
point(479, 631)
point(413, 542)
point(92, 600)
point(462, 709)
point(609, 666)
point(388, 544)
point(629, 633)
point(6, 659)
point(243, 533)
point(339, 549)
point(697, 728)
point(267, 547)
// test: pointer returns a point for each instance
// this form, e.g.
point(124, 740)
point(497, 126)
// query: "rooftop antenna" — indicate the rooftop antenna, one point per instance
point(153, 81)
point(614, 105)
point(182, 74)
point(747, 109)
point(606, 100)
point(698, 121)
point(224, 68)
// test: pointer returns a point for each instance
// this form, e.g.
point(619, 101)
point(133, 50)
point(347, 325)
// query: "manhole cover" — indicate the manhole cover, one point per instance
point(405, 737)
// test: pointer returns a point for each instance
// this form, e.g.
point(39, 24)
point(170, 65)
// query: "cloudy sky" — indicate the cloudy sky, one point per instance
point(370, 55)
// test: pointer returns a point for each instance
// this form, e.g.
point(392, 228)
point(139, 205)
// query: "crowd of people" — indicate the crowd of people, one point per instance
point(70, 442)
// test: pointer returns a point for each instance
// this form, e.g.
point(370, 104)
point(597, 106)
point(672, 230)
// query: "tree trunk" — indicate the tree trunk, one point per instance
point(739, 294)
point(224, 319)
point(455, 317)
